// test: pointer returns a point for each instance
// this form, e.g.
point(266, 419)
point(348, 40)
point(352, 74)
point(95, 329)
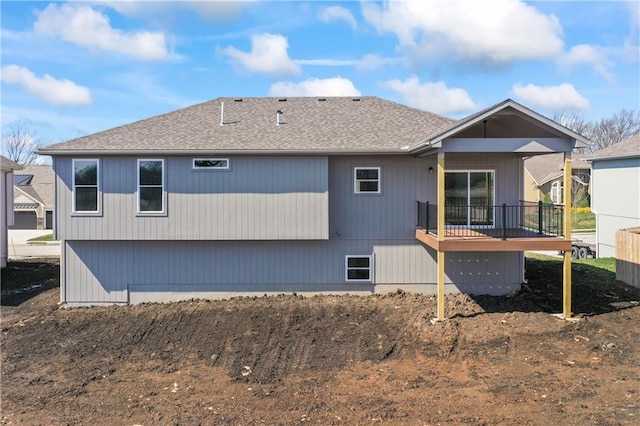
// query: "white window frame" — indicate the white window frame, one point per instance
point(211, 168)
point(356, 180)
point(74, 186)
point(347, 268)
point(163, 186)
point(557, 188)
point(493, 194)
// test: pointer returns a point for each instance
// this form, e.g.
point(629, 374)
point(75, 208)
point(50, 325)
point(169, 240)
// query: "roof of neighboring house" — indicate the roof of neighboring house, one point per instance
point(8, 165)
point(332, 124)
point(37, 182)
point(627, 148)
point(545, 168)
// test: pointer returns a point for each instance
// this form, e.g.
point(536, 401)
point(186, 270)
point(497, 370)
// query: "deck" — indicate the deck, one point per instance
point(491, 240)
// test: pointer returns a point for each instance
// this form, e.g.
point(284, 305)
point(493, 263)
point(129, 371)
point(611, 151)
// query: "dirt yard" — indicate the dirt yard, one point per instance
point(325, 360)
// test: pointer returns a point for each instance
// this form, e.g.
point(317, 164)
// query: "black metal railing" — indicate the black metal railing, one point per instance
point(527, 219)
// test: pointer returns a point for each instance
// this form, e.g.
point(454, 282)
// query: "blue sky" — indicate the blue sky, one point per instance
point(74, 68)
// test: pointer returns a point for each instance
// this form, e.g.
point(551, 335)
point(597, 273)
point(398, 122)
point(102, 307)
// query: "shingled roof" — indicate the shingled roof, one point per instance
point(333, 124)
point(39, 185)
point(627, 148)
point(545, 168)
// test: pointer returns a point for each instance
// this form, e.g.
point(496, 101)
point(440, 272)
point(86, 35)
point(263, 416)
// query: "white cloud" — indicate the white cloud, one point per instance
point(371, 62)
point(431, 96)
point(208, 10)
point(57, 92)
point(338, 13)
point(268, 55)
point(84, 26)
point(327, 62)
point(336, 86)
point(587, 55)
point(486, 33)
point(563, 97)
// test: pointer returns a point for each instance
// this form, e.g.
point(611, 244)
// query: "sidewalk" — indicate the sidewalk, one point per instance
point(19, 248)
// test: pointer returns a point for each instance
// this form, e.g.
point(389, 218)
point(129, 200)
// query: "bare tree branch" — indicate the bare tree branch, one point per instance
point(20, 143)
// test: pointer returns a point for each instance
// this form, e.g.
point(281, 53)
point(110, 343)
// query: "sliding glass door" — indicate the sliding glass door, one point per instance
point(469, 198)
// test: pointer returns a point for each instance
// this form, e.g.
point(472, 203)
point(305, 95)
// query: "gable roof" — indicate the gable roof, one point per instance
point(37, 183)
point(545, 168)
point(333, 124)
point(465, 123)
point(8, 165)
point(627, 148)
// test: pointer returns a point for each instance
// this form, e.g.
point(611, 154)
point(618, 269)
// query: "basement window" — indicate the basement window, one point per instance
point(358, 268)
point(210, 164)
point(366, 180)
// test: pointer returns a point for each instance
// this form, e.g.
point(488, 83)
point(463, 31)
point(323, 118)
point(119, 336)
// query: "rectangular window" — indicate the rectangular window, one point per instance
point(358, 268)
point(211, 164)
point(151, 186)
point(86, 186)
point(366, 180)
point(469, 197)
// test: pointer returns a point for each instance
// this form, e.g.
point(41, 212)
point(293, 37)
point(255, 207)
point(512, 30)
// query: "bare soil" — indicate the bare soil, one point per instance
point(325, 360)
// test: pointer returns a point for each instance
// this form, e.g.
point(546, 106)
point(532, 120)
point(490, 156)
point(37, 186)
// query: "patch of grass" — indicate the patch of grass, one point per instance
point(48, 237)
point(586, 220)
point(605, 263)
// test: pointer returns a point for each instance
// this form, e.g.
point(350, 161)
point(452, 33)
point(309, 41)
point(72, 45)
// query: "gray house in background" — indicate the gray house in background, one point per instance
point(7, 169)
point(615, 191)
point(310, 195)
point(33, 197)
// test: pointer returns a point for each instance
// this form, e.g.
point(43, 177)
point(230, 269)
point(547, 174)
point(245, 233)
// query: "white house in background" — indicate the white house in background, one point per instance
point(615, 193)
point(7, 168)
point(33, 197)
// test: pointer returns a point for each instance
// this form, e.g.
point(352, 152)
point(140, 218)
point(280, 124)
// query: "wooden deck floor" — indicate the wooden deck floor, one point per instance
point(491, 240)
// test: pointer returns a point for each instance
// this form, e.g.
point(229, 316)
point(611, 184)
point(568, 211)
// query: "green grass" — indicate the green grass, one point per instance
point(604, 264)
point(48, 237)
point(583, 221)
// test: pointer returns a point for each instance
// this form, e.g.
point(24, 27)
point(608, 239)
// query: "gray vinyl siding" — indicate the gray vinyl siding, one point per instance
point(151, 270)
point(615, 198)
point(260, 198)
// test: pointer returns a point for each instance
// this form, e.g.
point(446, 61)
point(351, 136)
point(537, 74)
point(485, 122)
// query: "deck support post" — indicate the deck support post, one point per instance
point(566, 263)
point(441, 229)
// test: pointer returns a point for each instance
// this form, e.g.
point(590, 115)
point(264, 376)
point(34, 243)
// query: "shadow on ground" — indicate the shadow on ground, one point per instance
point(25, 279)
point(595, 291)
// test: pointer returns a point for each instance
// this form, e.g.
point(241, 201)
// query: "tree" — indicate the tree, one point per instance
point(20, 143)
point(603, 132)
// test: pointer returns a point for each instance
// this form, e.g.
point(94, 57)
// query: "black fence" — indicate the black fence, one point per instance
point(527, 219)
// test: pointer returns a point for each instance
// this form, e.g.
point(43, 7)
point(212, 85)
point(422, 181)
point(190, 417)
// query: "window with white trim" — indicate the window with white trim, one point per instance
point(366, 180)
point(556, 192)
point(86, 185)
point(359, 268)
point(151, 193)
point(210, 164)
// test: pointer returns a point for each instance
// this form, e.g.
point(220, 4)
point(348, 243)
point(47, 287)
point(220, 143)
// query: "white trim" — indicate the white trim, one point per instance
point(493, 195)
point(356, 180)
point(73, 188)
point(163, 186)
point(347, 269)
point(207, 168)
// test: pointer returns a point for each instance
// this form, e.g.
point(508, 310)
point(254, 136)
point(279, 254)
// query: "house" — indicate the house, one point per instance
point(544, 176)
point(7, 168)
point(615, 194)
point(310, 195)
point(33, 197)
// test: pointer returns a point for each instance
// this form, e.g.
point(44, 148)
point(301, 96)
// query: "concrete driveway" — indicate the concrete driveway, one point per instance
point(19, 248)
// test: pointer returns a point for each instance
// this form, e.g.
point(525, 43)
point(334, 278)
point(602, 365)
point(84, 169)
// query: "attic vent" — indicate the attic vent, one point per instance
point(237, 100)
point(322, 99)
point(282, 100)
point(356, 99)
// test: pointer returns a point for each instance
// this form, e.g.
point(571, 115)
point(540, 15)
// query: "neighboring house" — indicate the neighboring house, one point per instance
point(33, 198)
point(615, 194)
point(310, 195)
point(7, 168)
point(544, 175)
